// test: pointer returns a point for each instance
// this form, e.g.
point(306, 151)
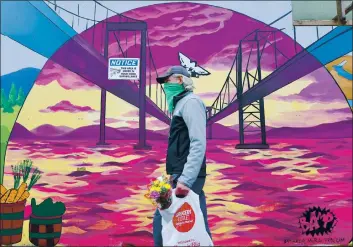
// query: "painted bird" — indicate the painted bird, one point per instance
point(192, 66)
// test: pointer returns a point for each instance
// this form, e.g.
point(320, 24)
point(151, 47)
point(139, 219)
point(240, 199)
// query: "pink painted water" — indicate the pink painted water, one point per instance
point(253, 196)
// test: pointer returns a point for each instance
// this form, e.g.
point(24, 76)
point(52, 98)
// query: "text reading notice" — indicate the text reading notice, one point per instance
point(124, 69)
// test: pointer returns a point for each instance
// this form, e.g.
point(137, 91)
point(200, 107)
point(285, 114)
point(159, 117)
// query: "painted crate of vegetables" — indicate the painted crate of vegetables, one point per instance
point(45, 224)
point(13, 201)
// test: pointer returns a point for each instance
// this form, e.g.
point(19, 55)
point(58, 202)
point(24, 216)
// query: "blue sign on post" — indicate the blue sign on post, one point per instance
point(124, 69)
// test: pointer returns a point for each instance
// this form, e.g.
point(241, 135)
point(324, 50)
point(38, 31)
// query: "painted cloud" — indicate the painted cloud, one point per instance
point(108, 121)
point(67, 106)
point(322, 89)
point(66, 79)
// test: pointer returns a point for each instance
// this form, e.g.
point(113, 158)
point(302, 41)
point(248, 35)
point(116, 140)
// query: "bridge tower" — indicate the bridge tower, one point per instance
point(137, 27)
point(252, 114)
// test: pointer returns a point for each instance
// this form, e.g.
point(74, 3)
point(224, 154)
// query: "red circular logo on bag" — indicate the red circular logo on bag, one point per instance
point(184, 218)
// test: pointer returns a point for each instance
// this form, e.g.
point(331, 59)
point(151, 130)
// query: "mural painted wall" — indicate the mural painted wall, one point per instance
point(50, 119)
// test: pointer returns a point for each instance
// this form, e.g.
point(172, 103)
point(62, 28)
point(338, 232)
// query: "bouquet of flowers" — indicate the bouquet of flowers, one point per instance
point(160, 192)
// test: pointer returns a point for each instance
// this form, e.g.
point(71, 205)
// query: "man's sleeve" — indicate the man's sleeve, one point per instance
point(194, 115)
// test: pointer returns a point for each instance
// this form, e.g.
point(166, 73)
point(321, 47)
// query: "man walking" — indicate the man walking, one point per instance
point(186, 160)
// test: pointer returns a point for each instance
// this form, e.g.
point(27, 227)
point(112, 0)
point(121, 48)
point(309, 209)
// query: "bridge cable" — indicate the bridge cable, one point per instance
point(122, 52)
point(317, 32)
point(263, 49)
point(105, 25)
point(94, 23)
point(150, 75)
point(119, 30)
point(275, 49)
point(121, 15)
point(88, 19)
point(309, 52)
point(305, 53)
point(157, 93)
point(270, 24)
point(218, 100)
point(295, 39)
point(63, 32)
point(57, 6)
point(247, 65)
point(155, 68)
point(148, 42)
point(121, 49)
point(151, 63)
point(219, 95)
point(78, 13)
point(127, 48)
point(161, 94)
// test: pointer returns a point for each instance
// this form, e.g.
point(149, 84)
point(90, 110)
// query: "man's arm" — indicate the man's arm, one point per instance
point(194, 115)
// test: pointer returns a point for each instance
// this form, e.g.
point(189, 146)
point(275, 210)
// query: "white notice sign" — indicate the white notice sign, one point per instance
point(124, 69)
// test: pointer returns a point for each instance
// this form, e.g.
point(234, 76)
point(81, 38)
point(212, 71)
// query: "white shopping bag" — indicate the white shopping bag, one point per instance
point(183, 222)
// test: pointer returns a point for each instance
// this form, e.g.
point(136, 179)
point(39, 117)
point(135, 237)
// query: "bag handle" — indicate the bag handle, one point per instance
point(178, 197)
point(190, 194)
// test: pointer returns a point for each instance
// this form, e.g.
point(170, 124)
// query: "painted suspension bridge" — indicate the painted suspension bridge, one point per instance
point(244, 88)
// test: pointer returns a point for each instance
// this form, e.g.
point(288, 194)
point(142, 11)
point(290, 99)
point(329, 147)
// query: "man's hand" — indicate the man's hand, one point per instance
point(181, 190)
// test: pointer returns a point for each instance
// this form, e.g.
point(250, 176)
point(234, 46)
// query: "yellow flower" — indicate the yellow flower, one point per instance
point(167, 186)
point(156, 182)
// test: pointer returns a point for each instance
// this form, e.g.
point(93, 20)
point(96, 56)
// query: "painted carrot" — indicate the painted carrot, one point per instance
point(11, 197)
point(2, 190)
point(4, 197)
point(20, 191)
point(24, 196)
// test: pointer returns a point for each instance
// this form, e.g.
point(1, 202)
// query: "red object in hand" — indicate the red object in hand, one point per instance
point(181, 190)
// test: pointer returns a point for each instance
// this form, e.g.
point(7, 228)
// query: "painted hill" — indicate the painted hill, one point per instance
point(91, 132)
point(163, 132)
point(50, 130)
point(20, 132)
point(24, 78)
point(341, 129)
point(222, 132)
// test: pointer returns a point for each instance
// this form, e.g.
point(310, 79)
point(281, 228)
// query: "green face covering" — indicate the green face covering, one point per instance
point(171, 90)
